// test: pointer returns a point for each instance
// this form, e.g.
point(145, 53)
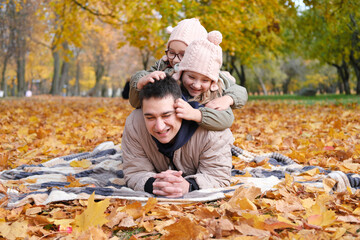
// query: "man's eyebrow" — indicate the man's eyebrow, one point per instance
point(168, 112)
point(163, 113)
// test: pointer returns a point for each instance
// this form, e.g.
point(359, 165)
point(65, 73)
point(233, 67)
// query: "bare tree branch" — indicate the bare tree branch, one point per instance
point(93, 11)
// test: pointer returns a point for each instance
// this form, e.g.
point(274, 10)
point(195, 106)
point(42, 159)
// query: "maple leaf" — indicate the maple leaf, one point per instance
point(246, 204)
point(185, 229)
point(150, 204)
point(206, 212)
point(3, 160)
point(272, 224)
point(13, 231)
point(92, 233)
point(62, 223)
point(115, 217)
point(134, 210)
point(93, 215)
point(127, 222)
point(220, 227)
point(311, 172)
point(242, 198)
point(251, 193)
point(348, 218)
point(328, 183)
point(246, 229)
point(73, 182)
point(33, 210)
point(339, 232)
point(14, 214)
point(357, 211)
point(3, 189)
point(82, 163)
point(149, 226)
point(320, 216)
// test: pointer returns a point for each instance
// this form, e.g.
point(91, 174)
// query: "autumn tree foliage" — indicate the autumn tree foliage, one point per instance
point(6, 43)
point(16, 30)
point(329, 32)
point(248, 27)
point(253, 32)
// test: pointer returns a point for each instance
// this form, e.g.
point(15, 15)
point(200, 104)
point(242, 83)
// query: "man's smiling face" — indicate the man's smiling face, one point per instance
point(160, 118)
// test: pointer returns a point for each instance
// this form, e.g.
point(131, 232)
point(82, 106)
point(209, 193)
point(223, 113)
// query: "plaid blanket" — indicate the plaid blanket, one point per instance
point(77, 176)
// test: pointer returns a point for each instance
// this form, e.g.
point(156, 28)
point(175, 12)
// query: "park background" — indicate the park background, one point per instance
point(81, 47)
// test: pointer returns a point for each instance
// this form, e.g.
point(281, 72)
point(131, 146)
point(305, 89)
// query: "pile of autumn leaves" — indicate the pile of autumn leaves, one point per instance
point(327, 135)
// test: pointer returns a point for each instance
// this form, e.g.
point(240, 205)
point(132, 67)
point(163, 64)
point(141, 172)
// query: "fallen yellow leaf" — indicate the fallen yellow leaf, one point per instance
point(14, 230)
point(82, 163)
point(93, 215)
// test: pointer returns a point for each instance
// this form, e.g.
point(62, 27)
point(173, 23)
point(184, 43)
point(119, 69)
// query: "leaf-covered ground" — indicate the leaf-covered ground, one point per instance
point(34, 130)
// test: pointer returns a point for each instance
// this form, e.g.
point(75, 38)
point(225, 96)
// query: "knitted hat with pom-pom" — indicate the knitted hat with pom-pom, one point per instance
point(203, 56)
point(187, 31)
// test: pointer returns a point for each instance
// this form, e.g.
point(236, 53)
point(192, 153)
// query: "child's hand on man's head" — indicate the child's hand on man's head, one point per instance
point(157, 75)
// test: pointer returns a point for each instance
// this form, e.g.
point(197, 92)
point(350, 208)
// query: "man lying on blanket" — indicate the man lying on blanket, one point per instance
point(168, 156)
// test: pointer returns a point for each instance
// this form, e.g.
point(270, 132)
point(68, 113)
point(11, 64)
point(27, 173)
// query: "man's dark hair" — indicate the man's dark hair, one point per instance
point(161, 89)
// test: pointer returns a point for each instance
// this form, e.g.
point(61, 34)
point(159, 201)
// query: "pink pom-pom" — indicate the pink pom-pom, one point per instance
point(215, 37)
point(169, 29)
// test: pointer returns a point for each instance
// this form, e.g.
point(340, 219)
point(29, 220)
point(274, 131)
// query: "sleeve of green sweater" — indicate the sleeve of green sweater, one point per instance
point(216, 120)
point(236, 92)
point(134, 92)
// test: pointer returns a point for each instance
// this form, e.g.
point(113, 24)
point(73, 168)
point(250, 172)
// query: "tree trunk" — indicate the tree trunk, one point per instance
point(104, 90)
point(356, 65)
point(286, 84)
point(64, 70)
point(22, 31)
point(3, 77)
point(64, 77)
point(13, 87)
point(227, 63)
point(343, 72)
point(262, 86)
point(241, 74)
point(56, 76)
point(20, 73)
point(258, 76)
point(340, 85)
point(77, 79)
point(145, 58)
point(355, 42)
point(99, 73)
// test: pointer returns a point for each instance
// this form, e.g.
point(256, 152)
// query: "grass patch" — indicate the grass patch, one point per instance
point(324, 98)
point(126, 234)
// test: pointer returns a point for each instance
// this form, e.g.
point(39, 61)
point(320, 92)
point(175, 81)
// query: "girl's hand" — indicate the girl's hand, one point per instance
point(220, 103)
point(157, 75)
point(185, 111)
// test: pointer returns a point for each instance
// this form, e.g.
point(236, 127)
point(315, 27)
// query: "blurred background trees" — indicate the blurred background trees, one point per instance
point(83, 47)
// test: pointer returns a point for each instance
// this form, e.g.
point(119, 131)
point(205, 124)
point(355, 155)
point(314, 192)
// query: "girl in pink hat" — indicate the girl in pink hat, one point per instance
point(200, 78)
point(181, 36)
point(198, 70)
